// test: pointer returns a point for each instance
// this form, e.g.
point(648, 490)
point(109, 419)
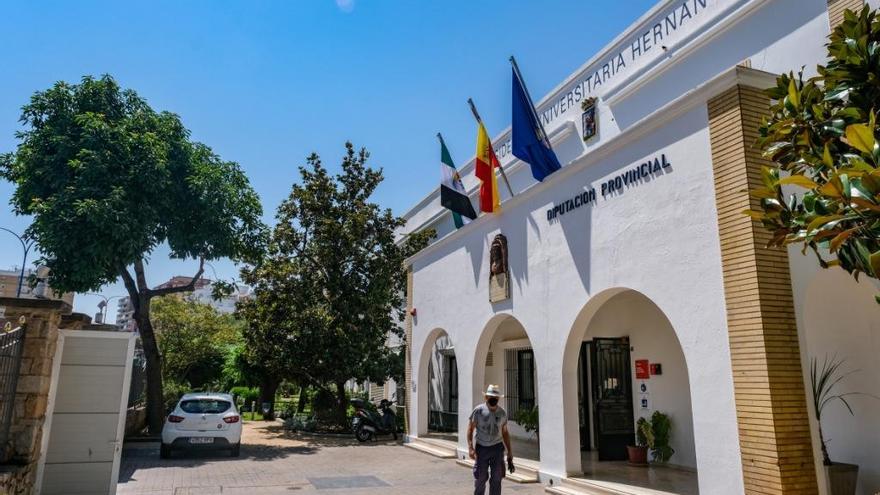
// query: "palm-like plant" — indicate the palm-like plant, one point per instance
point(823, 381)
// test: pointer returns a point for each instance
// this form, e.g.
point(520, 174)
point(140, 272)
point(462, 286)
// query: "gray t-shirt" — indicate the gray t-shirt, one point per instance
point(488, 424)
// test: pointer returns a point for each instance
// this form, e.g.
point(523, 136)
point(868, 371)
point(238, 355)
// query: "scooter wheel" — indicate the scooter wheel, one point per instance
point(362, 434)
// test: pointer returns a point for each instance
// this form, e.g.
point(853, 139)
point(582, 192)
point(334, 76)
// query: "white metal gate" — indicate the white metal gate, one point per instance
point(85, 420)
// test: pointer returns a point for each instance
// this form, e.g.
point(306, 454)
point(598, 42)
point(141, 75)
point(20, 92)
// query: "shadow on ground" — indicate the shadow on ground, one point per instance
point(260, 442)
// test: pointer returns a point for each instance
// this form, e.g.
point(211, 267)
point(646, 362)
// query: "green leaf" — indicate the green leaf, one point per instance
point(820, 221)
point(794, 95)
point(798, 180)
point(826, 156)
point(861, 137)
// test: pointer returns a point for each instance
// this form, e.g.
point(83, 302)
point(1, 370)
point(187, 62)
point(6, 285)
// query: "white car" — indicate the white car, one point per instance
point(202, 421)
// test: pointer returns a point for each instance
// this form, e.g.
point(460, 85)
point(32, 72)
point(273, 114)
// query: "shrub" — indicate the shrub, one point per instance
point(245, 395)
point(172, 392)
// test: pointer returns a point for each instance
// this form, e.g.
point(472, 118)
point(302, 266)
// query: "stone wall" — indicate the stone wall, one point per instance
point(42, 317)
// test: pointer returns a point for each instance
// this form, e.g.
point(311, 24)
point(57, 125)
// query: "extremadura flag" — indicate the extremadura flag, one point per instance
point(452, 193)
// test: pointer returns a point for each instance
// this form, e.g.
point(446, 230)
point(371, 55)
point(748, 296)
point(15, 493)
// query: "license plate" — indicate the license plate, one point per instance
point(201, 440)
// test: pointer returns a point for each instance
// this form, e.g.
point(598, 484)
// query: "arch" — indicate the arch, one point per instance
point(428, 358)
point(508, 340)
point(619, 313)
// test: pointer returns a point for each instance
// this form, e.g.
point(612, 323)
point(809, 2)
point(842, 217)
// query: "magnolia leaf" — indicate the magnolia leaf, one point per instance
point(841, 238)
point(826, 156)
point(799, 180)
point(793, 95)
point(820, 221)
point(874, 259)
point(860, 137)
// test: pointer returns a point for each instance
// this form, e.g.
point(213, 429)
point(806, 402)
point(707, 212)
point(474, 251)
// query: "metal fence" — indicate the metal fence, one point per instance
point(11, 345)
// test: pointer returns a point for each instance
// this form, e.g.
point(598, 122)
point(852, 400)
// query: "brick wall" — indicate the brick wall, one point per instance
point(17, 471)
point(837, 7)
point(771, 403)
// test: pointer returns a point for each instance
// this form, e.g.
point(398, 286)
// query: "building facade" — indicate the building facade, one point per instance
point(630, 282)
point(10, 280)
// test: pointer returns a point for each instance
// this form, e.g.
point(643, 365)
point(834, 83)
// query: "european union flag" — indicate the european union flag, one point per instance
point(530, 142)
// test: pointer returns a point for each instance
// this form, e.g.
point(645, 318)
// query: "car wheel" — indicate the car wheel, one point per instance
point(362, 434)
point(236, 450)
point(164, 451)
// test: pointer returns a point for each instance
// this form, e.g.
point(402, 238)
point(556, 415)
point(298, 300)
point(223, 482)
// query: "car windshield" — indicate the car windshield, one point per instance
point(205, 406)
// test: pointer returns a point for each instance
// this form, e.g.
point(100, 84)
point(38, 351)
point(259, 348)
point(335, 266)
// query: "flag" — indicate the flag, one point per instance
point(452, 193)
point(530, 142)
point(486, 164)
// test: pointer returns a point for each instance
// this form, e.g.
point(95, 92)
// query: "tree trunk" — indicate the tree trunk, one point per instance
point(155, 399)
point(268, 387)
point(303, 397)
point(341, 404)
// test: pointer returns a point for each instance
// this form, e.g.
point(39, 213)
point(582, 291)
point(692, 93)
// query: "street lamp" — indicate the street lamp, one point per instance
point(26, 245)
point(102, 306)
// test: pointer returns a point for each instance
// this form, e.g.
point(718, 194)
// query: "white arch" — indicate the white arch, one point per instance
point(578, 331)
point(423, 379)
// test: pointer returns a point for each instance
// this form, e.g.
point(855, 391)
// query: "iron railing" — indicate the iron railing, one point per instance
point(11, 346)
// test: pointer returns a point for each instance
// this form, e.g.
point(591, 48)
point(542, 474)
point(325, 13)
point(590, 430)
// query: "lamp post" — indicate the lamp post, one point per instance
point(102, 306)
point(26, 245)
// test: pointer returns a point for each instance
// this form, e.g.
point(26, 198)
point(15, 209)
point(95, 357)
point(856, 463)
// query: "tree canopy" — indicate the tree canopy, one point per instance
point(821, 137)
point(330, 287)
point(108, 180)
point(194, 340)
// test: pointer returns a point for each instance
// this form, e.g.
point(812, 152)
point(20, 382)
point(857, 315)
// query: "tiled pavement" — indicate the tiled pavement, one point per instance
point(274, 462)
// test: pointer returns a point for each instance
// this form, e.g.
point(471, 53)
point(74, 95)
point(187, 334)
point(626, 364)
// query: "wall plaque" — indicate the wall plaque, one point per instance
point(499, 276)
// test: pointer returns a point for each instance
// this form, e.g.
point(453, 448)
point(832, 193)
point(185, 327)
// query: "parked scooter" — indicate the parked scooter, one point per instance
point(367, 423)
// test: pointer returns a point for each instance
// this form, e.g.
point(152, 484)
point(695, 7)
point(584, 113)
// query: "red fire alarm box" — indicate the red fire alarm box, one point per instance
point(656, 369)
point(642, 369)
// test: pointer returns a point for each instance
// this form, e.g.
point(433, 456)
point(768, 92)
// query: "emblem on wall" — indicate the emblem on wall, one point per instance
point(499, 277)
point(589, 119)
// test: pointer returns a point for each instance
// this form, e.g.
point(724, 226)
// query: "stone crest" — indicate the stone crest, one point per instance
point(499, 276)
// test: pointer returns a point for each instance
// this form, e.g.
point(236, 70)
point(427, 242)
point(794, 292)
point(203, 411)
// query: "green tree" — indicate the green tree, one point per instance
point(330, 286)
point(108, 180)
point(193, 339)
point(821, 139)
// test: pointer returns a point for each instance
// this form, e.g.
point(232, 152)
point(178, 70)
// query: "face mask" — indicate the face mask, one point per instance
point(493, 401)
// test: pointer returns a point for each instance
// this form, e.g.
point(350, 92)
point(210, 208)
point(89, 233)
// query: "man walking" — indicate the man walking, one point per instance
point(492, 439)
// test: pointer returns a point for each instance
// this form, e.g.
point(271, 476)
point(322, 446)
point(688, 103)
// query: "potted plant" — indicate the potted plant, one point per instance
point(638, 453)
point(840, 478)
point(661, 430)
point(527, 417)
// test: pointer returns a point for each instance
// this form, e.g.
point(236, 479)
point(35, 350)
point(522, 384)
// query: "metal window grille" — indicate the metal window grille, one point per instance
point(520, 374)
point(11, 346)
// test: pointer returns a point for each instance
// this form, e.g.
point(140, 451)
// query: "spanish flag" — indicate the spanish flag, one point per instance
point(486, 164)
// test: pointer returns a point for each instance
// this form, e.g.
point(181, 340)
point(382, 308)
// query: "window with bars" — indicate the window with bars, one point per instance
point(520, 374)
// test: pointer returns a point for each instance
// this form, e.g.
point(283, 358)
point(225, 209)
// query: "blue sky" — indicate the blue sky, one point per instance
point(265, 83)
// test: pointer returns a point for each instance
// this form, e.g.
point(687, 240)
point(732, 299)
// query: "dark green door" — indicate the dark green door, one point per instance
point(612, 397)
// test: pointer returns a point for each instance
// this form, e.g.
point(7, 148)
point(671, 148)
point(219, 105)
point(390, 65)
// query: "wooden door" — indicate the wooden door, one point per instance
point(612, 397)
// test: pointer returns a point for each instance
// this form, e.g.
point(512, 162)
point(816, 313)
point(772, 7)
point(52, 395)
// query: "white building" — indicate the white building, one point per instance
point(637, 285)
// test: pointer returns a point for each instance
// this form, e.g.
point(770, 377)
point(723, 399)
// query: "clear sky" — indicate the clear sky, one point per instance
point(265, 83)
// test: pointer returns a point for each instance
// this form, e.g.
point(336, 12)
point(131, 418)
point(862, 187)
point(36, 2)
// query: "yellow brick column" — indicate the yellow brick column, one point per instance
point(408, 365)
point(837, 7)
point(771, 404)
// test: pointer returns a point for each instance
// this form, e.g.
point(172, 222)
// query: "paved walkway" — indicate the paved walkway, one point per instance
point(274, 462)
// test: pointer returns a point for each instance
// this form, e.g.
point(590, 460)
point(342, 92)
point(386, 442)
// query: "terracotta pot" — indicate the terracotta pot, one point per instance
point(638, 456)
point(841, 478)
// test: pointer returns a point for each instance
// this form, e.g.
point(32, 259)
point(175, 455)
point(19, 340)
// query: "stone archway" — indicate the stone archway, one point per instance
point(627, 323)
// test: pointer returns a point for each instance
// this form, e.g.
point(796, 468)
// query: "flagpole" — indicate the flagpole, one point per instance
point(480, 121)
point(531, 103)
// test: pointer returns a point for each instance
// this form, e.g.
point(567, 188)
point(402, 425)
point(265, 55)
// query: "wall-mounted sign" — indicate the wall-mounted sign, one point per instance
point(589, 119)
point(643, 371)
point(656, 369)
point(648, 170)
point(499, 279)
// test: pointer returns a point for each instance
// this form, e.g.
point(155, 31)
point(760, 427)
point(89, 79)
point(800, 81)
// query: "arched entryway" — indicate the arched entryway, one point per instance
point(622, 362)
point(504, 357)
point(438, 376)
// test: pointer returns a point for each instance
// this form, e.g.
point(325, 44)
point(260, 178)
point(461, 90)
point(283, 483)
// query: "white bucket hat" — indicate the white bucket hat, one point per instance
point(494, 391)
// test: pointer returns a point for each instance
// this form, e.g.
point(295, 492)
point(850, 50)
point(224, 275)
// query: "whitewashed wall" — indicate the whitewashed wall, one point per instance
point(658, 237)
